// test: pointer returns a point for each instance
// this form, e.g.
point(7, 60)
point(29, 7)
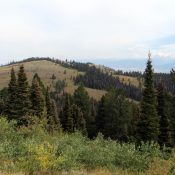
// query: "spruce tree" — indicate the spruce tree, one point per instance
point(4, 101)
point(82, 100)
point(93, 115)
point(164, 137)
point(12, 95)
point(148, 125)
point(48, 103)
point(79, 122)
point(37, 99)
point(100, 120)
point(36, 77)
point(23, 105)
point(172, 110)
point(172, 120)
point(117, 117)
point(134, 121)
point(56, 121)
point(52, 114)
point(67, 120)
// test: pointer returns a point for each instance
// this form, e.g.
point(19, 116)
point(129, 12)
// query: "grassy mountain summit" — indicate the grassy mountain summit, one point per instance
point(46, 69)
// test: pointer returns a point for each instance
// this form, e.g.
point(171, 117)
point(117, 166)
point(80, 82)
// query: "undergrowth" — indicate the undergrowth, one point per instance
point(31, 149)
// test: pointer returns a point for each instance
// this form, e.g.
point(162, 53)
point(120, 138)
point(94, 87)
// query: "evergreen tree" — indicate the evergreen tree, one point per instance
point(117, 116)
point(53, 77)
point(79, 122)
point(164, 137)
point(12, 95)
point(93, 115)
point(172, 121)
point(148, 125)
point(48, 103)
point(59, 86)
point(172, 110)
point(36, 77)
point(100, 120)
point(4, 101)
point(52, 113)
point(67, 120)
point(82, 100)
point(23, 104)
point(135, 119)
point(56, 116)
point(37, 99)
point(2, 107)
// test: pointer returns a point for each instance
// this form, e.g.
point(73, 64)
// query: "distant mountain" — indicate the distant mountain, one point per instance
point(160, 64)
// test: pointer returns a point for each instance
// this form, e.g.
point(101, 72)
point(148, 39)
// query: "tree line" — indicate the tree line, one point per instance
point(115, 116)
point(131, 91)
point(96, 79)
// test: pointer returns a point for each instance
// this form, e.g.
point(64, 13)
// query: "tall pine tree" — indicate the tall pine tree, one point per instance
point(172, 111)
point(82, 100)
point(67, 119)
point(100, 119)
point(79, 122)
point(12, 95)
point(37, 99)
point(36, 77)
point(56, 120)
point(52, 115)
point(148, 125)
point(164, 137)
point(48, 103)
point(116, 117)
point(93, 115)
point(23, 105)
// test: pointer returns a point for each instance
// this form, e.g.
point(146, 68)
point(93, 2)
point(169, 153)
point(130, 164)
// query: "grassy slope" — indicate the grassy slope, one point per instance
point(123, 78)
point(127, 79)
point(45, 69)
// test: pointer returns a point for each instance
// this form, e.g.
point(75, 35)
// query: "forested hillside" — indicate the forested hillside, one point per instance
point(62, 86)
point(100, 77)
point(112, 124)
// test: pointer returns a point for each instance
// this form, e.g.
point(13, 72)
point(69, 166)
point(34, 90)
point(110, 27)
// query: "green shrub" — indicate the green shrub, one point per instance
point(81, 152)
point(31, 149)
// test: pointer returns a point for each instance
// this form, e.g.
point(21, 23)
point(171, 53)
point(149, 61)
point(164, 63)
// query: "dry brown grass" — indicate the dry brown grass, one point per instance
point(158, 167)
point(46, 69)
point(123, 78)
point(127, 79)
point(83, 172)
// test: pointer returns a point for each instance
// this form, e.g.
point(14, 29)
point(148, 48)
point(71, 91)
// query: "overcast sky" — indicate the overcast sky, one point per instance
point(86, 29)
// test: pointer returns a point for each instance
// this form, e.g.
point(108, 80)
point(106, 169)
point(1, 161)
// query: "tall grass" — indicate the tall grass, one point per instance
point(31, 150)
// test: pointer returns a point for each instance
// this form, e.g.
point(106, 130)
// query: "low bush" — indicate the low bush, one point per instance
point(31, 149)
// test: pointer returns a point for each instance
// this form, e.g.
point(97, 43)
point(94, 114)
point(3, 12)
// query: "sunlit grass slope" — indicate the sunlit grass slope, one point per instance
point(46, 69)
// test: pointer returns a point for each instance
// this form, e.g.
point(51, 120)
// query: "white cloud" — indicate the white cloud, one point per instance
point(165, 51)
point(85, 28)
